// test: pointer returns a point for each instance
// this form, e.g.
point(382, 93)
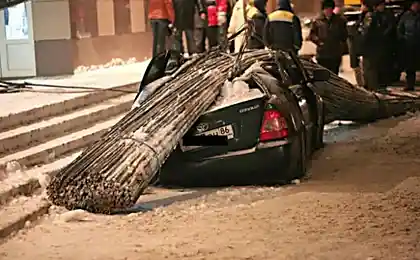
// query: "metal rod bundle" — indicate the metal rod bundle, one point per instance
point(344, 101)
point(113, 172)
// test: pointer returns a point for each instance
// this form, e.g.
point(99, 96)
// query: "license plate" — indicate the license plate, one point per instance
point(221, 131)
point(226, 130)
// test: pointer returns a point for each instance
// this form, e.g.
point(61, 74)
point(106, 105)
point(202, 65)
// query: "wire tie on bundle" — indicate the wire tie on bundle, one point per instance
point(155, 153)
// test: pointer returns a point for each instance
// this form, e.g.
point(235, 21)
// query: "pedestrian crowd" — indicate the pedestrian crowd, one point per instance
point(377, 42)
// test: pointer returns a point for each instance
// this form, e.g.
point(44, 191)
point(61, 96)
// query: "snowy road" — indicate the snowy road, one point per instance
point(360, 203)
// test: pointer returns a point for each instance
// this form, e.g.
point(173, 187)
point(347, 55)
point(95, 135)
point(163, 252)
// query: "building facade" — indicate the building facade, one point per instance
point(53, 37)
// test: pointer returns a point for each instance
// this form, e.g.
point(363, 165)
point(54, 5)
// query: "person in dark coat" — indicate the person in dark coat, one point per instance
point(329, 33)
point(161, 15)
point(283, 29)
point(376, 37)
point(257, 15)
point(409, 37)
point(355, 51)
point(389, 26)
point(184, 22)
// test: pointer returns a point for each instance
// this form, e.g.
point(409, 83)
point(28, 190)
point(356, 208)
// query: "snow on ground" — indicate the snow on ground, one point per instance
point(361, 202)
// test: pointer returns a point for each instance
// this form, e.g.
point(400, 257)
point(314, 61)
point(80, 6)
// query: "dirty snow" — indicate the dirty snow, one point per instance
point(233, 93)
point(361, 202)
point(112, 63)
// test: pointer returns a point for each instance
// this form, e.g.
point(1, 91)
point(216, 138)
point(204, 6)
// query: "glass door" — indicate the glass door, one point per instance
point(17, 48)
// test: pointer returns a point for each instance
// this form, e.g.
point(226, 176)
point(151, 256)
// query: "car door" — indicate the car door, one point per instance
point(304, 95)
point(298, 79)
point(155, 70)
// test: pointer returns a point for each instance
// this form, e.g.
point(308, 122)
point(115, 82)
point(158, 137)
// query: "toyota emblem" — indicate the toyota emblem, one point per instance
point(202, 127)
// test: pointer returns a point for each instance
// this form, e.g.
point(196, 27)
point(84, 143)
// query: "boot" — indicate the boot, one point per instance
point(358, 74)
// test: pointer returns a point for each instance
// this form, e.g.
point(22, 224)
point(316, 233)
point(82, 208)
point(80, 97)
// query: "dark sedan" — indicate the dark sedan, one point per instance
point(264, 139)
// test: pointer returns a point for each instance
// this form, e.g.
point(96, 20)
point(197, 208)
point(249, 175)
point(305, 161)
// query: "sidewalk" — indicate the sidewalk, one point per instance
point(102, 79)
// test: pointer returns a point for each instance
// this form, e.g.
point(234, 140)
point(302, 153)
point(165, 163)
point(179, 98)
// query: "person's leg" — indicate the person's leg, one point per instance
point(325, 62)
point(410, 79)
point(212, 35)
point(200, 40)
point(179, 40)
point(410, 70)
point(355, 64)
point(335, 65)
point(154, 24)
point(358, 74)
point(162, 33)
point(223, 36)
point(191, 46)
point(370, 74)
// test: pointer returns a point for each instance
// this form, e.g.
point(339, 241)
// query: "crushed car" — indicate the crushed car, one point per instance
point(271, 120)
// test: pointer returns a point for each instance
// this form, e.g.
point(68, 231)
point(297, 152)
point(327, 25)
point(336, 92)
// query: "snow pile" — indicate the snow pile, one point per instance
point(112, 63)
point(402, 139)
point(235, 92)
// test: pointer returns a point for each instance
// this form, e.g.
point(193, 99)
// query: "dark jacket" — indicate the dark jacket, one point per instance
point(378, 33)
point(258, 16)
point(409, 29)
point(329, 35)
point(198, 22)
point(355, 36)
point(283, 28)
point(184, 13)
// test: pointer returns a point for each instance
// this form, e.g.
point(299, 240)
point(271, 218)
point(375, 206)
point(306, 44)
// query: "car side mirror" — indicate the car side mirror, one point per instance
point(321, 75)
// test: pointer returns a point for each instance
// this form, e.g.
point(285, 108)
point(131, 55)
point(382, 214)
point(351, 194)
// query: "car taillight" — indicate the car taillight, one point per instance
point(274, 126)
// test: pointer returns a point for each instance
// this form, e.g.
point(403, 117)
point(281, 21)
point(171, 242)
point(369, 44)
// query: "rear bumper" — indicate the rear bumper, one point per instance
point(262, 164)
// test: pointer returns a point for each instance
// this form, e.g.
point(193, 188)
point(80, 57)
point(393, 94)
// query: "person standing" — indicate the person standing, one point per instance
point(283, 28)
point(161, 15)
point(375, 45)
point(231, 4)
point(329, 33)
point(388, 26)
point(257, 15)
point(216, 20)
point(184, 22)
point(409, 36)
point(355, 46)
point(237, 23)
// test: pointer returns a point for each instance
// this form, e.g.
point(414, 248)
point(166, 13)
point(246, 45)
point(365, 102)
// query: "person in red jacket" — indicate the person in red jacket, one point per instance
point(161, 15)
point(216, 21)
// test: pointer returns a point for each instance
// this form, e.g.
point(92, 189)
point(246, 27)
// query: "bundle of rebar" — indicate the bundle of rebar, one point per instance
point(112, 173)
point(345, 101)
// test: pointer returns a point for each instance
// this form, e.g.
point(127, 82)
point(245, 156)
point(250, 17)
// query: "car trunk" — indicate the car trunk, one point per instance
point(239, 121)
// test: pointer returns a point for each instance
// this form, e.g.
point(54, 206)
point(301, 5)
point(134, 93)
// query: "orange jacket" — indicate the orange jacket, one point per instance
point(161, 9)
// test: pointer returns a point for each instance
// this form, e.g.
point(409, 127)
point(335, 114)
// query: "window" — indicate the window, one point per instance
point(16, 22)
point(83, 18)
